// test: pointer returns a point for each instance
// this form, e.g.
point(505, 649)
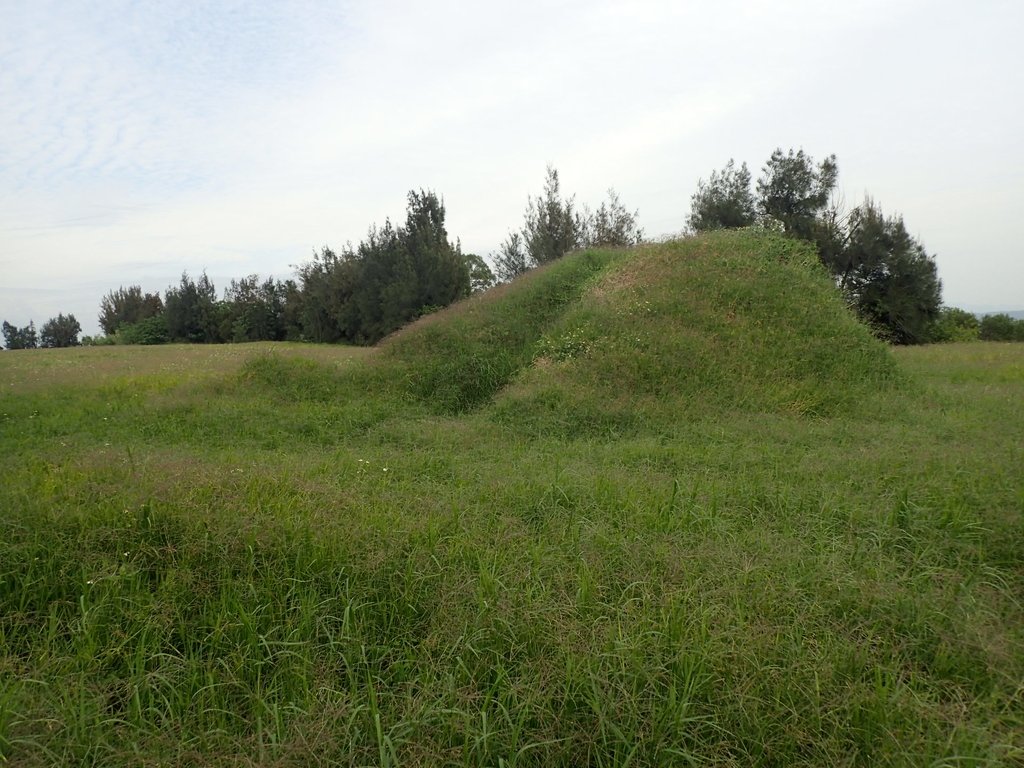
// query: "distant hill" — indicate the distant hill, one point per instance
point(1017, 314)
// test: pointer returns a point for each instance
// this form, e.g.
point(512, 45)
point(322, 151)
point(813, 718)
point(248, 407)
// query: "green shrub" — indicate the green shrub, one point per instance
point(1001, 327)
point(151, 330)
point(98, 341)
point(955, 324)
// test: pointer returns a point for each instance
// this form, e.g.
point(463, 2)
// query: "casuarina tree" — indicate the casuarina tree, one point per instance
point(20, 338)
point(612, 225)
point(60, 331)
point(126, 306)
point(793, 191)
point(553, 226)
point(725, 201)
point(889, 277)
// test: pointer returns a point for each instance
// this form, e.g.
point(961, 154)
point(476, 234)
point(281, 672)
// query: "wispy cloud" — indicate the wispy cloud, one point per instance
point(140, 138)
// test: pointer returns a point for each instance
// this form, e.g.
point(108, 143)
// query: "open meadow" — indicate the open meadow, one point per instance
point(668, 506)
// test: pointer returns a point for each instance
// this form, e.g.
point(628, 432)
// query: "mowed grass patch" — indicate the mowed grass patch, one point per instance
point(743, 584)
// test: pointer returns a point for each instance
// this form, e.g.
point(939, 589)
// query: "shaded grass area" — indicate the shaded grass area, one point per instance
point(290, 563)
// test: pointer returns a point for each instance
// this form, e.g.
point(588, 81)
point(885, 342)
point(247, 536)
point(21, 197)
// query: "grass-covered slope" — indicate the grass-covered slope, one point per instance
point(458, 359)
point(765, 551)
point(732, 321)
point(449, 362)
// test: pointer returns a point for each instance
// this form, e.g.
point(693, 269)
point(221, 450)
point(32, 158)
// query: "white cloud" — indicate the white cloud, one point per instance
point(142, 139)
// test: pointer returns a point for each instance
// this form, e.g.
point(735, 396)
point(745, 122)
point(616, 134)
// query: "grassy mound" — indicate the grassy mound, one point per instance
point(458, 359)
point(609, 339)
point(730, 321)
point(452, 361)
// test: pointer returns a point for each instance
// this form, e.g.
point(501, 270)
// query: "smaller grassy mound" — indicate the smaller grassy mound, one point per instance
point(449, 362)
point(458, 359)
point(731, 321)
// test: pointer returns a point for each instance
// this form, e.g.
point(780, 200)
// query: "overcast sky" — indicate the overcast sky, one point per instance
point(141, 139)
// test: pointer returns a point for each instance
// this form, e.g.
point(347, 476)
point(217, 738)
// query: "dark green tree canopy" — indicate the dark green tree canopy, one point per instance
point(127, 305)
point(254, 310)
point(392, 277)
point(326, 308)
point(149, 330)
point(20, 338)
point(60, 331)
point(359, 294)
point(725, 201)
point(442, 275)
point(385, 296)
point(793, 190)
point(192, 311)
point(889, 277)
point(1001, 327)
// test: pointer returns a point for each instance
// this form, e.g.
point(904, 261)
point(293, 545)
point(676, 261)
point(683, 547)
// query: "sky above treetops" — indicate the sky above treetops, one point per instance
point(141, 139)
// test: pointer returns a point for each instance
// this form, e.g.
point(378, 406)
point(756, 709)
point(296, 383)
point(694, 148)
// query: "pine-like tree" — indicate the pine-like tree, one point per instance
point(794, 191)
point(889, 277)
point(20, 338)
point(725, 201)
point(553, 226)
point(192, 311)
point(612, 225)
point(126, 306)
point(60, 331)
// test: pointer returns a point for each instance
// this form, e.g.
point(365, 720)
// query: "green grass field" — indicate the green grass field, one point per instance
point(671, 506)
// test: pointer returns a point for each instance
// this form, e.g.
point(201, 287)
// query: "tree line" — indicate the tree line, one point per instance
point(885, 274)
point(59, 331)
point(359, 294)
